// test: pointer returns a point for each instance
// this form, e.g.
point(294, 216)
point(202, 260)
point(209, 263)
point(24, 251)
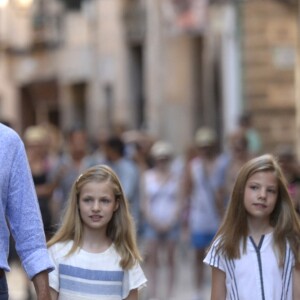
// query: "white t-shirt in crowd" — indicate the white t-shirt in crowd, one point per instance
point(85, 275)
point(162, 197)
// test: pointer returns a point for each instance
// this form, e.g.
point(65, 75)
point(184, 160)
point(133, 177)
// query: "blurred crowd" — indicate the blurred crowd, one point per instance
point(174, 197)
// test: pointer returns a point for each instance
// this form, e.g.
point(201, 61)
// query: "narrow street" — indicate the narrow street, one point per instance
point(184, 289)
point(184, 286)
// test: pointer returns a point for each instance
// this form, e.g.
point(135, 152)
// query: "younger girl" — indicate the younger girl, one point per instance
point(256, 251)
point(95, 249)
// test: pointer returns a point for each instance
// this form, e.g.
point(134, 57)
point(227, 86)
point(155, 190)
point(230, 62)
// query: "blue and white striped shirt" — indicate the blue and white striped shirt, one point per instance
point(85, 275)
point(256, 275)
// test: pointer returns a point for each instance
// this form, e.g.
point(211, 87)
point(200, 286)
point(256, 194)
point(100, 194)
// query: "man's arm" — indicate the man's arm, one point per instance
point(54, 294)
point(41, 285)
point(24, 216)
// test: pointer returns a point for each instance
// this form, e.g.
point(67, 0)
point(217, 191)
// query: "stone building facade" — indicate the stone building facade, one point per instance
point(270, 45)
point(164, 66)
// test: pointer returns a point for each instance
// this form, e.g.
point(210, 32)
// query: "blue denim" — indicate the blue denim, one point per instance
point(201, 240)
point(149, 233)
point(3, 288)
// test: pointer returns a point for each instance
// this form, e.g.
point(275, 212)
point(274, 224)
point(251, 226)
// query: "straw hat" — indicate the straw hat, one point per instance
point(161, 149)
point(205, 136)
point(35, 135)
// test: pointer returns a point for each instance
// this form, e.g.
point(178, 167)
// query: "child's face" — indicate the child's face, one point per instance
point(261, 193)
point(97, 204)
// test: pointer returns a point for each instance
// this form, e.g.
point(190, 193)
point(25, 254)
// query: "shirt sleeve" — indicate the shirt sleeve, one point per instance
point(214, 258)
point(24, 217)
point(133, 279)
point(54, 275)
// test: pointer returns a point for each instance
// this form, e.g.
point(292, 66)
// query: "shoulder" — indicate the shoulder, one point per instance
point(215, 248)
point(60, 249)
point(290, 255)
point(12, 152)
point(113, 252)
point(215, 256)
point(8, 137)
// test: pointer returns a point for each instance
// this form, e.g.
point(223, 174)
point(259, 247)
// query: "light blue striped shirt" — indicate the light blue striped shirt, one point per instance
point(19, 206)
point(92, 276)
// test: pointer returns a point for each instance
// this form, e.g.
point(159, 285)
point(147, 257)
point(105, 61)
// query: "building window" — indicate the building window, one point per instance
point(72, 4)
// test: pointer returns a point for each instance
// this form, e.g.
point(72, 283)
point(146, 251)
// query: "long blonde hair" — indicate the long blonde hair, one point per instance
point(283, 219)
point(120, 230)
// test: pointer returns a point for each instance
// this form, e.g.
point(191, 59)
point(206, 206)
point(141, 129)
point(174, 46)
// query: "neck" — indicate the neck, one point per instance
point(95, 241)
point(257, 228)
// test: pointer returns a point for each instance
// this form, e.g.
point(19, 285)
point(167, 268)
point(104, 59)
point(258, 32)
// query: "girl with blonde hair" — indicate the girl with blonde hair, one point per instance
point(95, 250)
point(256, 251)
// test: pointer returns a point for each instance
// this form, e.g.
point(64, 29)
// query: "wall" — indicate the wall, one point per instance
point(269, 44)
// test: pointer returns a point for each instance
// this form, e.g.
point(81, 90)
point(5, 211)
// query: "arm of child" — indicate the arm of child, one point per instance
point(133, 295)
point(218, 286)
point(296, 280)
point(53, 294)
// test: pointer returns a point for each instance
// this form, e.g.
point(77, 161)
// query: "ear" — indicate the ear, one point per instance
point(116, 205)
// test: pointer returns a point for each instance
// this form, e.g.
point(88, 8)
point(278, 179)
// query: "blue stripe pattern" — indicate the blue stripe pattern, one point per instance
point(96, 282)
point(87, 288)
point(228, 266)
point(258, 254)
point(287, 273)
point(91, 274)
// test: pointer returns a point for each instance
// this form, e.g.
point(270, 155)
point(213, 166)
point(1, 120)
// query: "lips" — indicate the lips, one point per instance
point(259, 205)
point(95, 218)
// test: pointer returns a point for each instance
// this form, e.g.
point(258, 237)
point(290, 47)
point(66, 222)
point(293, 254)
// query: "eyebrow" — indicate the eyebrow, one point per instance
point(258, 183)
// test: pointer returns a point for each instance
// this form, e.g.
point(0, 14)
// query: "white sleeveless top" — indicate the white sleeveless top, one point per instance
point(162, 197)
point(204, 217)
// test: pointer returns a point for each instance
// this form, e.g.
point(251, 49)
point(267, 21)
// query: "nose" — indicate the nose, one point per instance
point(96, 206)
point(263, 193)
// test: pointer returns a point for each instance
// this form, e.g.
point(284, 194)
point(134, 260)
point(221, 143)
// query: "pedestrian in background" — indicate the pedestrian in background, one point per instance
point(20, 214)
point(256, 252)
point(36, 140)
point(202, 193)
point(74, 160)
point(290, 168)
point(45, 180)
point(127, 171)
point(238, 154)
point(95, 251)
point(161, 211)
point(254, 140)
